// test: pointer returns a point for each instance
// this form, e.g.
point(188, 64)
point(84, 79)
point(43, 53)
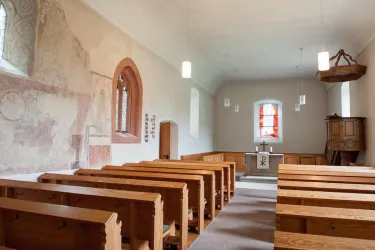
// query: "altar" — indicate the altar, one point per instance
point(256, 164)
point(262, 163)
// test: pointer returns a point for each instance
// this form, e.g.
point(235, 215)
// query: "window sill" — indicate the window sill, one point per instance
point(9, 68)
point(125, 138)
point(268, 140)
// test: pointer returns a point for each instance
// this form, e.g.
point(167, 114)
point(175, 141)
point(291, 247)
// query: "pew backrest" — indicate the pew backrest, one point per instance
point(34, 225)
point(173, 194)
point(135, 208)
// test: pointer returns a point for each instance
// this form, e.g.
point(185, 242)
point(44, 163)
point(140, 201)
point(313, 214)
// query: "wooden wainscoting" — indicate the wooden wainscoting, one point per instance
point(239, 158)
point(196, 157)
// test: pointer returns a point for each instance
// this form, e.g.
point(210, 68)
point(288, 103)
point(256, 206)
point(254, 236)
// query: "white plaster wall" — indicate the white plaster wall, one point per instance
point(167, 96)
point(303, 132)
point(334, 99)
point(362, 100)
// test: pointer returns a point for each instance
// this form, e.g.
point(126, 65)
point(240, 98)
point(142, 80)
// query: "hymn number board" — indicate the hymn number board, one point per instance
point(150, 127)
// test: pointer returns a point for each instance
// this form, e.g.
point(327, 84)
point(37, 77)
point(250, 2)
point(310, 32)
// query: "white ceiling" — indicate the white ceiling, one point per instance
point(243, 40)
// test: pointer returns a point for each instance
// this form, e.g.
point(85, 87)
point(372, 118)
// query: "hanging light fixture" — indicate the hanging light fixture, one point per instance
point(323, 57)
point(236, 108)
point(297, 106)
point(226, 102)
point(302, 97)
point(186, 65)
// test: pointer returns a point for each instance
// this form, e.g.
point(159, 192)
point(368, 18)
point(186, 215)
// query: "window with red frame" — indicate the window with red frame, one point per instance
point(269, 120)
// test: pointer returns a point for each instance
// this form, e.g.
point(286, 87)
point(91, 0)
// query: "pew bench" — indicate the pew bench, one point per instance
point(297, 241)
point(326, 199)
point(322, 168)
point(135, 209)
point(173, 194)
point(208, 177)
point(231, 164)
point(330, 172)
point(329, 179)
point(327, 187)
point(34, 225)
point(337, 222)
point(219, 176)
point(195, 185)
point(201, 166)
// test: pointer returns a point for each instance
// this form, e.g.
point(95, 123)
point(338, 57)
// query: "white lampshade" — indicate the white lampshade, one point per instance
point(186, 69)
point(302, 99)
point(226, 102)
point(323, 61)
point(236, 108)
point(297, 107)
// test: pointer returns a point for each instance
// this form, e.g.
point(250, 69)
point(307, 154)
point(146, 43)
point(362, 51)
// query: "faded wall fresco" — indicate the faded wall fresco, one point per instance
point(48, 121)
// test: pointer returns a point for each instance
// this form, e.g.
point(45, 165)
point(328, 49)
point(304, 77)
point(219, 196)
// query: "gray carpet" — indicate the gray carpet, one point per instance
point(247, 222)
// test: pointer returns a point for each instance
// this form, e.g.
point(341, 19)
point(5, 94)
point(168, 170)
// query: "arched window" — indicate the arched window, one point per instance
point(345, 99)
point(194, 113)
point(122, 105)
point(127, 103)
point(268, 121)
point(3, 23)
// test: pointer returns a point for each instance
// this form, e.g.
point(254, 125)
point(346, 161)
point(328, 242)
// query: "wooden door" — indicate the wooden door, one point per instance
point(165, 141)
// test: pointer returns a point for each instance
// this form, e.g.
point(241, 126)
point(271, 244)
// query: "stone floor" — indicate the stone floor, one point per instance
point(247, 222)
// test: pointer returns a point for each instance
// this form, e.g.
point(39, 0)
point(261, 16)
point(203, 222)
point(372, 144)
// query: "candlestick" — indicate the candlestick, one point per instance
point(270, 149)
point(256, 149)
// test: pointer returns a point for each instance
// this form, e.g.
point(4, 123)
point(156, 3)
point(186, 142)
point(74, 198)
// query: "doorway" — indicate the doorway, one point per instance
point(168, 147)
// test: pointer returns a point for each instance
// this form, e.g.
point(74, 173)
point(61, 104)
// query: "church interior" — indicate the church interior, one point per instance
point(187, 124)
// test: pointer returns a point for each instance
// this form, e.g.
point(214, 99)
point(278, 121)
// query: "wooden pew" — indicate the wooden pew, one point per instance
point(338, 222)
point(322, 168)
point(208, 177)
point(231, 164)
point(330, 179)
point(194, 183)
point(341, 173)
point(34, 225)
point(327, 187)
point(219, 174)
point(220, 171)
point(174, 196)
point(135, 209)
point(297, 241)
point(201, 165)
point(326, 199)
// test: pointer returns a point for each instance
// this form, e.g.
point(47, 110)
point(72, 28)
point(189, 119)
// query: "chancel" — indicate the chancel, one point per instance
point(165, 124)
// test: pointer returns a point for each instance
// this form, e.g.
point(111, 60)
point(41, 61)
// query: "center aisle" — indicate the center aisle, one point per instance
point(247, 222)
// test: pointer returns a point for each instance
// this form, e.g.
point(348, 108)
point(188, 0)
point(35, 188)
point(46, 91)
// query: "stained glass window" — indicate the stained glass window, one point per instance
point(3, 21)
point(268, 120)
point(268, 123)
point(121, 105)
point(124, 109)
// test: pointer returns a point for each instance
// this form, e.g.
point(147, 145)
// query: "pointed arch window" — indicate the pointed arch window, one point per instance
point(127, 103)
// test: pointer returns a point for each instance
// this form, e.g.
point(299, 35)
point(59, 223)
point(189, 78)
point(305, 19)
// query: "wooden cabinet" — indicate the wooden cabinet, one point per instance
point(345, 139)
